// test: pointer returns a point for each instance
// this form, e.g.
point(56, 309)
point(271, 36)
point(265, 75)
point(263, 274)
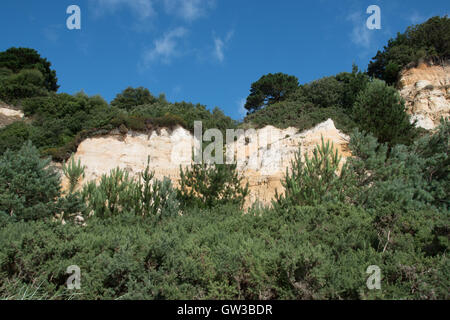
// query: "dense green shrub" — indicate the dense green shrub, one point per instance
point(25, 84)
point(315, 179)
point(133, 97)
point(315, 102)
point(270, 89)
point(380, 110)
point(28, 186)
point(429, 39)
point(18, 59)
point(14, 136)
point(208, 185)
point(118, 193)
point(306, 252)
point(416, 176)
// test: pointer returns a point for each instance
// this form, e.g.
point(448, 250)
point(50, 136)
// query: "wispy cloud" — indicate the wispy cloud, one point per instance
point(53, 32)
point(165, 48)
point(142, 8)
point(188, 10)
point(220, 45)
point(360, 34)
point(242, 110)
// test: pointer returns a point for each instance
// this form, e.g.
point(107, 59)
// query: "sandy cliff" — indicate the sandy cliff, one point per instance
point(425, 89)
point(9, 115)
point(266, 153)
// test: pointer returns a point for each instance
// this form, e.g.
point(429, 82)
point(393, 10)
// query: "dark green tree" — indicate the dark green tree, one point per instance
point(209, 185)
point(133, 97)
point(430, 39)
point(315, 179)
point(29, 188)
point(380, 110)
point(17, 59)
point(270, 89)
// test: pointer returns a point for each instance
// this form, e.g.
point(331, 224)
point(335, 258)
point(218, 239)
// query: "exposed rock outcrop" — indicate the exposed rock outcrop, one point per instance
point(9, 115)
point(425, 89)
point(262, 155)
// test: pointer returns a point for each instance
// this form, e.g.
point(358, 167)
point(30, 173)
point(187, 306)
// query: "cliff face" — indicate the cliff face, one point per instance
point(264, 154)
point(9, 115)
point(426, 90)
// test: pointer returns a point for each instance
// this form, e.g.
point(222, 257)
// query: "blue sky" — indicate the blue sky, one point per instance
point(202, 51)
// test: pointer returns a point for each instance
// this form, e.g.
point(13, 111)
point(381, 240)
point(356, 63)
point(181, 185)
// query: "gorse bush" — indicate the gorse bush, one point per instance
point(306, 252)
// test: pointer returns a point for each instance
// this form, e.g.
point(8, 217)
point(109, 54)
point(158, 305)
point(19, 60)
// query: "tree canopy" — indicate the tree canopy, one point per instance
point(18, 59)
point(270, 89)
point(430, 39)
point(133, 97)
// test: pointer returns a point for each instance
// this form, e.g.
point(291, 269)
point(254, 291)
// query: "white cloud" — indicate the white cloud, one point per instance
point(165, 48)
point(242, 110)
point(220, 45)
point(142, 8)
point(360, 34)
point(188, 10)
point(53, 32)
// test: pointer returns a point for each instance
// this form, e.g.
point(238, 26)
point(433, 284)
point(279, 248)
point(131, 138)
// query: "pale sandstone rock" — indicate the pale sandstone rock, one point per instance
point(426, 92)
point(267, 153)
point(8, 115)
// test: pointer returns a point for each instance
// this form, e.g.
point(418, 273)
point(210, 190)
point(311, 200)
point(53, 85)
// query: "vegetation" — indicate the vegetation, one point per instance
point(28, 187)
point(270, 89)
point(315, 102)
point(24, 73)
point(133, 97)
point(428, 40)
point(73, 171)
point(315, 179)
point(209, 185)
point(142, 238)
point(380, 110)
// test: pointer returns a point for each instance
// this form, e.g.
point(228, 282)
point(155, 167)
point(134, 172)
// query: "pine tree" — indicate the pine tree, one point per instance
point(208, 185)
point(29, 187)
point(316, 179)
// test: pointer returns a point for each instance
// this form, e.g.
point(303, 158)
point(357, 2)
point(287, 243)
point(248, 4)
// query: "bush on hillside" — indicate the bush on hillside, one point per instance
point(414, 176)
point(118, 193)
point(380, 110)
point(25, 84)
point(270, 89)
point(429, 39)
point(209, 185)
point(18, 59)
point(133, 97)
point(29, 188)
point(316, 179)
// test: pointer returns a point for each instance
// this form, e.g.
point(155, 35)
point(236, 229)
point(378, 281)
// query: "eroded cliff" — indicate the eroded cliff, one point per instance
point(425, 89)
point(266, 153)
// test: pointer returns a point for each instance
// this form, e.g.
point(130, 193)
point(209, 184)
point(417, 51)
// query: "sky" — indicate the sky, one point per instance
point(203, 51)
